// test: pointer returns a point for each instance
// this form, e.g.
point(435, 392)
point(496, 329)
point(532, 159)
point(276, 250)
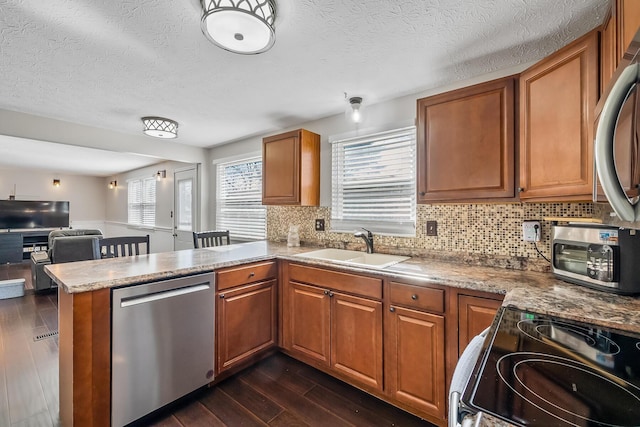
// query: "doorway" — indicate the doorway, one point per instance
point(185, 218)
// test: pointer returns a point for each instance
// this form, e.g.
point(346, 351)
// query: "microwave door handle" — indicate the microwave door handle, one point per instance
point(604, 150)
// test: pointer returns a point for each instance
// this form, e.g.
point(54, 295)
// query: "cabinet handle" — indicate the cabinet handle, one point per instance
point(221, 295)
point(252, 274)
point(414, 297)
point(330, 294)
point(520, 189)
point(326, 292)
point(392, 309)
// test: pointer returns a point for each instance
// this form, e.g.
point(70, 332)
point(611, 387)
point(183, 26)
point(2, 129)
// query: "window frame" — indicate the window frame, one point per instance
point(145, 207)
point(343, 221)
point(224, 222)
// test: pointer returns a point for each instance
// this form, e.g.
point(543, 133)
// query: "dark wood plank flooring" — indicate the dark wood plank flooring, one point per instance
point(278, 391)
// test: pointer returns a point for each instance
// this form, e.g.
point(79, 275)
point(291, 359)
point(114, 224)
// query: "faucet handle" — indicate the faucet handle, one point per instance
point(369, 233)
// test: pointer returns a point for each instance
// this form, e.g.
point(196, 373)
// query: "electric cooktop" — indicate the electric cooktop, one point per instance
point(537, 370)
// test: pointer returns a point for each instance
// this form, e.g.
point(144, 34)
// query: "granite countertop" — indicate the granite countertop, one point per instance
point(532, 291)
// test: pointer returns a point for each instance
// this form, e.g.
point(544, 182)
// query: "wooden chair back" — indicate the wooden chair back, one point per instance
point(113, 247)
point(205, 239)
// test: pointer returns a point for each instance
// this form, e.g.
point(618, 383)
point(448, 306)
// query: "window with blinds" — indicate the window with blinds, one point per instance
point(239, 199)
point(374, 183)
point(142, 202)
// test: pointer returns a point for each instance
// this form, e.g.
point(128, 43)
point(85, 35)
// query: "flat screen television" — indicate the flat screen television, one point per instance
point(16, 214)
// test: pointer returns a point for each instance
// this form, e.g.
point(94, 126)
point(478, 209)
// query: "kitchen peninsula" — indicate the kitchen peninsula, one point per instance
point(85, 311)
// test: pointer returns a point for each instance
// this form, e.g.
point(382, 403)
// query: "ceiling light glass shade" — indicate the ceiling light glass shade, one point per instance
point(355, 110)
point(160, 127)
point(239, 26)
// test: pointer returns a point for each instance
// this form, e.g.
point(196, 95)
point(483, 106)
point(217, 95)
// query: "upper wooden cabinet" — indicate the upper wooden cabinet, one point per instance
point(618, 29)
point(291, 169)
point(558, 96)
point(466, 143)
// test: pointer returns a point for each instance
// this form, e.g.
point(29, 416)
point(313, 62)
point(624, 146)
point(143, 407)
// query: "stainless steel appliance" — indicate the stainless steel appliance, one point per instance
point(599, 256)
point(537, 370)
point(162, 344)
point(617, 136)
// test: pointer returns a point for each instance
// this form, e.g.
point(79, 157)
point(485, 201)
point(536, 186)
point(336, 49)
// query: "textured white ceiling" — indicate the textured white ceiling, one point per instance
point(106, 63)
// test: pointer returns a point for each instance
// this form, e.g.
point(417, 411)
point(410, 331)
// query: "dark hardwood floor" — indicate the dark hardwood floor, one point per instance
point(278, 391)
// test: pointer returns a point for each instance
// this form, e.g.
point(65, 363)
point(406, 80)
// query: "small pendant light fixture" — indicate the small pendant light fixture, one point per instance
point(355, 109)
point(159, 127)
point(239, 26)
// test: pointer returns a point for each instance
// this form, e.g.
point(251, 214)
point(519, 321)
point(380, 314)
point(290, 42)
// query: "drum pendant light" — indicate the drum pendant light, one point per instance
point(239, 26)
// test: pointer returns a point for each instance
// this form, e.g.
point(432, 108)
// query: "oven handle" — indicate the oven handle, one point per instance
point(461, 376)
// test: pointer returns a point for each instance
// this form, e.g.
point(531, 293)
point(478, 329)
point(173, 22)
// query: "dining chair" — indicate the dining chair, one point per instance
point(114, 247)
point(205, 239)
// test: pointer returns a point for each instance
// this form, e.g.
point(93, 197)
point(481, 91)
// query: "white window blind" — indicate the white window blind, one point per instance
point(374, 183)
point(142, 202)
point(239, 199)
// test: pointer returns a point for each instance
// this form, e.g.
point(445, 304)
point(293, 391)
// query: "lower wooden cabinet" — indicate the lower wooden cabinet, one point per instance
point(334, 330)
point(245, 322)
point(415, 359)
point(475, 314)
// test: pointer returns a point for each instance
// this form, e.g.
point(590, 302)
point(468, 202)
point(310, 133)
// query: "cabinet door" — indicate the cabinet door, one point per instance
point(281, 169)
point(246, 323)
point(557, 101)
point(356, 338)
point(475, 314)
point(628, 18)
point(466, 143)
point(309, 322)
point(608, 51)
point(416, 359)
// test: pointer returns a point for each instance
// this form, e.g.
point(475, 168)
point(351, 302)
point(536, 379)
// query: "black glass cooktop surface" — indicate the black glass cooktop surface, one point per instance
point(538, 370)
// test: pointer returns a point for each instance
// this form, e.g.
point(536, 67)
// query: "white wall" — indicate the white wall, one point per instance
point(390, 114)
point(84, 193)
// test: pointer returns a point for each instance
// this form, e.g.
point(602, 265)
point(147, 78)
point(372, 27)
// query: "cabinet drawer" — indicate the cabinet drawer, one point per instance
point(242, 275)
point(418, 297)
point(351, 283)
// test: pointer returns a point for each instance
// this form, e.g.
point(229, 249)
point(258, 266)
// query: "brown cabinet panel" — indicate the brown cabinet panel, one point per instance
point(245, 274)
point(246, 323)
point(466, 143)
point(608, 49)
point(417, 297)
point(346, 282)
point(416, 359)
point(291, 169)
point(356, 338)
point(557, 101)
point(475, 314)
point(628, 19)
point(309, 322)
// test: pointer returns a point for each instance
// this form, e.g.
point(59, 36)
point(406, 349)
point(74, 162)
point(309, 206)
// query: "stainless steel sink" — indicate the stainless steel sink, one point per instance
point(355, 257)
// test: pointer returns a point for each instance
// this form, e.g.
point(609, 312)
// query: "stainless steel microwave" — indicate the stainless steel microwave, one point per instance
point(599, 256)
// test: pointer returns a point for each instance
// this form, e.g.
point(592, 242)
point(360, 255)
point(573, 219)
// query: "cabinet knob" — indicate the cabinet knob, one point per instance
point(414, 297)
point(520, 189)
point(422, 193)
point(330, 294)
point(252, 274)
point(326, 292)
point(221, 295)
point(392, 309)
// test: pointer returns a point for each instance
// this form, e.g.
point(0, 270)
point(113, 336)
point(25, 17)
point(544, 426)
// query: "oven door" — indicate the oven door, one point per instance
point(461, 376)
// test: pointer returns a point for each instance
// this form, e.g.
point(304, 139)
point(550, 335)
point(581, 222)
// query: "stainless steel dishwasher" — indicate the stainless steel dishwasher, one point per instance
point(161, 344)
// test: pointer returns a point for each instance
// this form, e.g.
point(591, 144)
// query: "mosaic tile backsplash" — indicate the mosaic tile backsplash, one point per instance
point(478, 234)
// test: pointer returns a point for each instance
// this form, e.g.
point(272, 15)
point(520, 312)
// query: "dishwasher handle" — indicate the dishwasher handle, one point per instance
point(142, 299)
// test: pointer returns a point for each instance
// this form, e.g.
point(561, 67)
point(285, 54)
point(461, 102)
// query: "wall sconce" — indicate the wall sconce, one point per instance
point(113, 184)
point(56, 183)
point(161, 174)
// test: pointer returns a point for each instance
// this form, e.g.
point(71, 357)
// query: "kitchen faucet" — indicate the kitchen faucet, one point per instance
point(368, 239)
